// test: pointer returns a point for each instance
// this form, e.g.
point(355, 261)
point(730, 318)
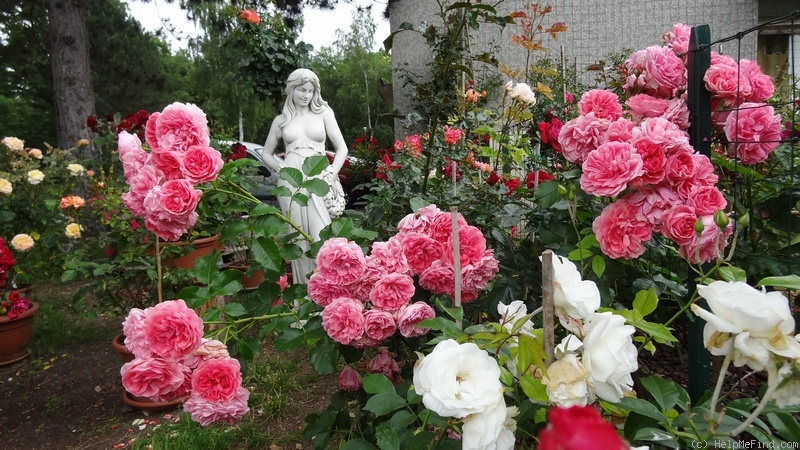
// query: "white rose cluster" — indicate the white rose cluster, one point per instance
point(757, 326)
point(599, 358)
point(521, 92)
point(463, 381)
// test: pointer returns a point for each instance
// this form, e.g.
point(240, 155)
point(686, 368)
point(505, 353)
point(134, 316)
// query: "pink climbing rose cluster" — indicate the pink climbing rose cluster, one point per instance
point(162, 182)
point(173, 361)
point(368, 297)
point(636, 149)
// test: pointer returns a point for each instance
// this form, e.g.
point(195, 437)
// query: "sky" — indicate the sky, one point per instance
point(319, 30)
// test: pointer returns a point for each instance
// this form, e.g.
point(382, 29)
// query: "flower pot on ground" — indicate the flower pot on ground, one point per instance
point(15, 335)
point(140, 403)
point(251, 281)
point(199, 247)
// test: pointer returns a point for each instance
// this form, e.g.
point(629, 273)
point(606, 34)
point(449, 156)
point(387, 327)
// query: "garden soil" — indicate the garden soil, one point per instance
point(73, 400)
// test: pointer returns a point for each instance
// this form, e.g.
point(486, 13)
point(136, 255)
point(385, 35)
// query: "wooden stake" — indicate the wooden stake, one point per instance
point(548, 309)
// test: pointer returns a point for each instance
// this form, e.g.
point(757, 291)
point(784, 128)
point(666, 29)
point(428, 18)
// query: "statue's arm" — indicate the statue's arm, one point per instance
point(335, 136)
point(268, 152)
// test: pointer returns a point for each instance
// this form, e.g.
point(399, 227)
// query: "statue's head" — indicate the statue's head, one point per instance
point(300, 77)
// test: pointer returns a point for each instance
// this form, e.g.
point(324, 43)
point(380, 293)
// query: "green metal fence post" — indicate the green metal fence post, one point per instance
point(699, 103)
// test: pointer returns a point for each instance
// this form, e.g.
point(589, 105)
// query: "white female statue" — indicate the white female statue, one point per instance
point(303, 127)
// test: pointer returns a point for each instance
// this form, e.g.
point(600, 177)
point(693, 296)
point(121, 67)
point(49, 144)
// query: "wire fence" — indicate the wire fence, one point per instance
point(753, 134)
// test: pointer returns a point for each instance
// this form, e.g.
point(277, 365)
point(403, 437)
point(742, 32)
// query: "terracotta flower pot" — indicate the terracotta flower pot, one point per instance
point(200, 247)
point(251, 282)
point(140, 403)
point(15, 334)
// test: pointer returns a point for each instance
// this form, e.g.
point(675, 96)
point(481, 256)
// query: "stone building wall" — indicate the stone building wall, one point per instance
point(595, 28)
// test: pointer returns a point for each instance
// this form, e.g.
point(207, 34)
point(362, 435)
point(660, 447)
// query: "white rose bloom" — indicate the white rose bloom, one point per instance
point(573, 297)
point(75, 169)
point(456, 380)
point(609, 355)
point(509, 85)
point(567, 382)
point(570, 343)
point(492, 429)
point(13, 143)
point(511, 313)
point(523, 93)
point(35, 176)
point(753, 324)
point(5, 186)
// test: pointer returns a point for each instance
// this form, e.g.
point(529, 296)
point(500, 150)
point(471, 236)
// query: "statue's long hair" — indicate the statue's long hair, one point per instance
point(298, 78)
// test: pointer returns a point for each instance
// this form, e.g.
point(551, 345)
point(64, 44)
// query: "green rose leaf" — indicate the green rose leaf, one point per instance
point(384, 403)
point(314, 165)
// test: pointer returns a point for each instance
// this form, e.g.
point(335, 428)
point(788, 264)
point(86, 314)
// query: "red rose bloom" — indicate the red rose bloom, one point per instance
point(578, 428)
point(493, 179)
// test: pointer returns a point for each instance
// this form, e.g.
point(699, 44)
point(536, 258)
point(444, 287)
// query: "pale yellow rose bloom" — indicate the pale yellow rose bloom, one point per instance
point(83, 142)
point(73, 230)
point(35, 176)
point(35, 153)
point(22, 242)
point(5, 186)
point(13, 143)
point(75, 169)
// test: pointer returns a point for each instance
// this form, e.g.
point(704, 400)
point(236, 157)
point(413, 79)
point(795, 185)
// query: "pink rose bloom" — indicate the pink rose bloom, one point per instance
point(390, 255)
point(709, 245)
point(761, 84)
point(151, 377)
point(178, 197)
point(323, 291)
point(392, 291)
point(168, 162)
point(438, 278)
point(581, 135)
point(724, 81)
point(343, 320)
point(441, 229)
point(379, 324)
point(603, 103)
point(131, 153)
point(364, 342)
point(654, 162)
point(217, 379)
point(645, 105)
point(753, 132)
point(419, 221)
point(173, 329)
point(678, 39)
point(620, 230)
point(183, 391)
point(206, 412)
point(680, 166)
point(679, 224)
point(471, 246)
point(167, 226)
point(607, 170)
point(703, 176)
point(341, 261)
point(664, 133)
point(135, 338)
point(725, 60)
point(666, 69)
point(653, 201)
point(620, 130)
point(139, 185)
point(475, 277)
point(201, 164)
point(150, 131)
point(181, 126)
point(415, 143)
point(349, 379)
point(706, 200)
point(420, 251)
point(677, 112)
point(409, 317)
point(452, 135)
point(363, 286)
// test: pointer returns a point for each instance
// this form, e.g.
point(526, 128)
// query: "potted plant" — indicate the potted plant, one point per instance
point(16, 313)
